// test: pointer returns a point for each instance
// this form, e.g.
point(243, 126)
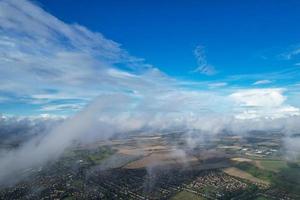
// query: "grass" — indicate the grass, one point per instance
point(255, 171)
point(233, 171)
point(288, 179)
point(273, 165)
point(100, 155)
point(91, 156)
point(184, 195)
point(208, 190)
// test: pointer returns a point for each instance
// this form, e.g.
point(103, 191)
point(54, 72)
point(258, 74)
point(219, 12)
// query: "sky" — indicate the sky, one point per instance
point(86, 70)
point(57, 56)
point(238, 37)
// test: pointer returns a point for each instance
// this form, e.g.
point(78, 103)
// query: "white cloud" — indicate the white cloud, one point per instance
point(262, 82)
point(75, 106)
point(217, 84)
point(275, 113)
point(39, 52)
point(259, 97)
point(291, 54)
point(203, 67)
point(262, 103)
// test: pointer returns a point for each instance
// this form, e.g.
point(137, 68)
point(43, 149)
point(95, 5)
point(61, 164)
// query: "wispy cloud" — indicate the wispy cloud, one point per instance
point(60, 107)
point(202, 66)
point(262, 82)
point(291, 73)
point(291, 54)
point(39, 52)
point(217, 84)
point(62, 66)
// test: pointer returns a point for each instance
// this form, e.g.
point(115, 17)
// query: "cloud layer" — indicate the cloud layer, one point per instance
point(57, 66)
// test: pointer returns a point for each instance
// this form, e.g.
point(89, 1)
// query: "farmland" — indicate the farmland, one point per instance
point(164, 167)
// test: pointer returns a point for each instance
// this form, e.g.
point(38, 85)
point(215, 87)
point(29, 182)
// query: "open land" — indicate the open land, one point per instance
point(164, 166)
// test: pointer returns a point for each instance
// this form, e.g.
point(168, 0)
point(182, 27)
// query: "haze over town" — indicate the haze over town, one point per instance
point(72, 96)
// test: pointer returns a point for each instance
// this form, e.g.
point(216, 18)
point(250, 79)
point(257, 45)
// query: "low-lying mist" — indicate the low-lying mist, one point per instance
point(120, 114)
point(101, 90)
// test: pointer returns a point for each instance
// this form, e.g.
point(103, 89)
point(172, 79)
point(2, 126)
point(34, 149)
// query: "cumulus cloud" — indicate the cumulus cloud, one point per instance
point(44, 61)
point(266, 103)
point(259, 97)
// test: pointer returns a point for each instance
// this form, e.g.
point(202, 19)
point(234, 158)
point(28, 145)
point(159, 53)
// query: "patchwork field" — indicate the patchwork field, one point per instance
point(271, 165)
point(160, 158)
point(241, 159)
point(184, 195)
point(165, 168)
point(233, 171)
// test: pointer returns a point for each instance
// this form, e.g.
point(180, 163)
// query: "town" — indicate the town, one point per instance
point(153, 167)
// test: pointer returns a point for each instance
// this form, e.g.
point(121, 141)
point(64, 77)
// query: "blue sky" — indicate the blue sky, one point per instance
point(59, 55)
point(238, 37)
point(111, 67)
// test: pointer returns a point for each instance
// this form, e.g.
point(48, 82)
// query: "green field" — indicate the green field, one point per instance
point(288, 179)
point(273, 165)
point(92, 156)
point(184, 195)
point(261, 198)
point(99, 155)
point(255, 171)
